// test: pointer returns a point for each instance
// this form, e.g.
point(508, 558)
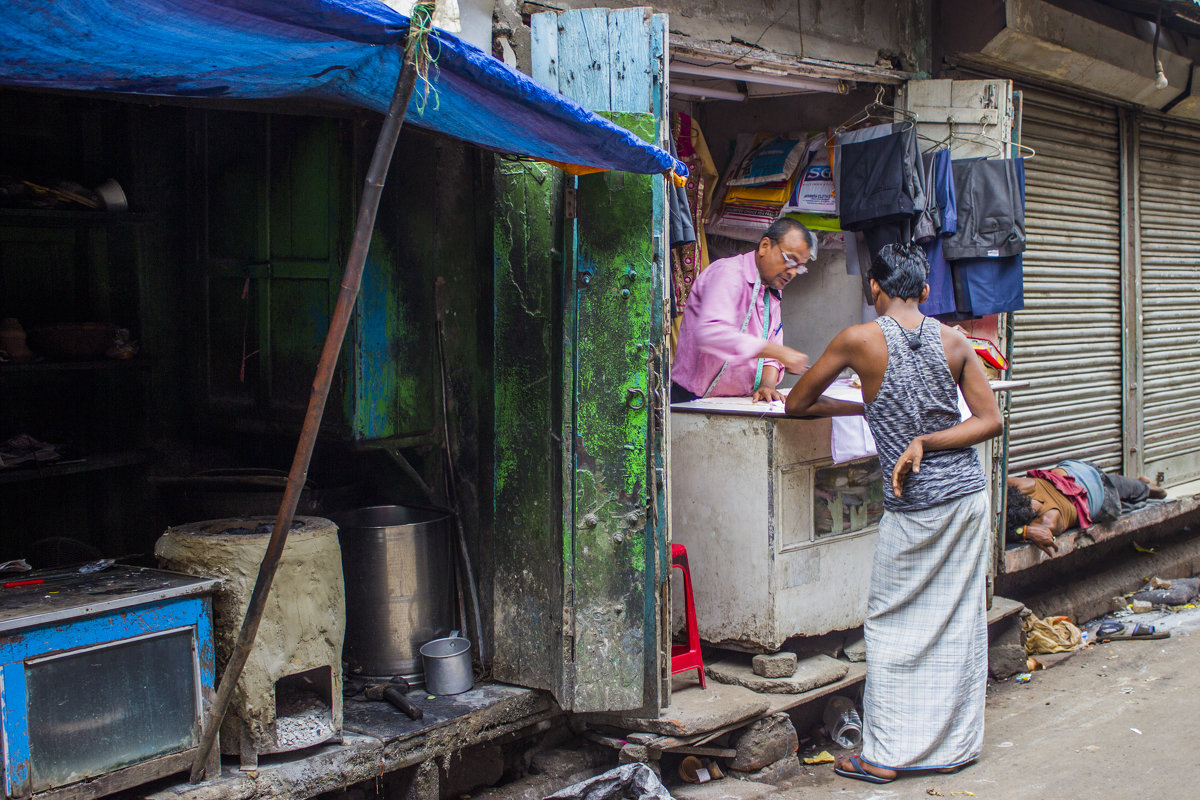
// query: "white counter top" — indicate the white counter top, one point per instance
point(744, 406)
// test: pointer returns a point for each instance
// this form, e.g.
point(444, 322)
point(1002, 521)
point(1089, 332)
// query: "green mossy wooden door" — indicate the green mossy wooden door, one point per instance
point(580, 515)
point(272, 221)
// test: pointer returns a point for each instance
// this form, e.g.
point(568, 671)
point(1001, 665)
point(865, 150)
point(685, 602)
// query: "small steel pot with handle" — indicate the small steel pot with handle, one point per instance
point(447, 665)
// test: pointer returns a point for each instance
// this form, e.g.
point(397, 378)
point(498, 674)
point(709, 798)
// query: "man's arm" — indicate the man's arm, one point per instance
point(984, 423)
point(1040, 532)
point(805, 397)
point(792, 360)
point(767, 391)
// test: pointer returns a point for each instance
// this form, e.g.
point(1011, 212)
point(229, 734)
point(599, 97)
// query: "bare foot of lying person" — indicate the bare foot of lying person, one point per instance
point(1157, 492)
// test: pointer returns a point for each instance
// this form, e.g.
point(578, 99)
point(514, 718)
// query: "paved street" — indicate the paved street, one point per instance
point(1117, 721)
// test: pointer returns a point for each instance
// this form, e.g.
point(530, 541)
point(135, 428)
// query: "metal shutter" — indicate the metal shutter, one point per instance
point(1169, 199)
point(1067, 340)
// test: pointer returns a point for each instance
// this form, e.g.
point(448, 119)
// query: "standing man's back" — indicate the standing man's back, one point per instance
point(926, 627)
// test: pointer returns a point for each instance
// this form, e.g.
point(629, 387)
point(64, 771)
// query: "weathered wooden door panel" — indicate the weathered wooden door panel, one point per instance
point(614, 550)
point(528, 551)
point(590, 566)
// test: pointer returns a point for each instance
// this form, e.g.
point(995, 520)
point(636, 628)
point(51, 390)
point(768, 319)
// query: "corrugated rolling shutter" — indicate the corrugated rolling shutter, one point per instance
point(1169, 187)
point(1067, 340)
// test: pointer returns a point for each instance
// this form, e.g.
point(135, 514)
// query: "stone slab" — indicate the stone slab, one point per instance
point(856, 650)
point(784, 702)
point(725, 789)
point(693, 711)
point(1002, 608)
point(811, 673)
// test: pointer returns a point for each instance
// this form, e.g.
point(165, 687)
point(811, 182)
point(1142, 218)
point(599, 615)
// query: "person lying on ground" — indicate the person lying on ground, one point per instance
point(1046, 502)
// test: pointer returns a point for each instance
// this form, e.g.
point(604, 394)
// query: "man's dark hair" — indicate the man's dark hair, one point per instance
point(1018, 512)
point(900, 270)
point(785, 225)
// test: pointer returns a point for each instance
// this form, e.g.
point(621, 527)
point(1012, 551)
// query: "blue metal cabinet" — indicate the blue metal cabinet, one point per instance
point(104, 678)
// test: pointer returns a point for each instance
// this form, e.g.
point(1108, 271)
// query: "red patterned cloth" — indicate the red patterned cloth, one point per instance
point(688, 260)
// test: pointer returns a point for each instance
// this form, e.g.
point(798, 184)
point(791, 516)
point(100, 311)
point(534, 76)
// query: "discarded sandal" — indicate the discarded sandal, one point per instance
point(858, 773)
point(1121, 631)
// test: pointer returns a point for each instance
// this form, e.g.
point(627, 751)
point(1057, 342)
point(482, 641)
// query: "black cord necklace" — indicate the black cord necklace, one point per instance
point(914, 339)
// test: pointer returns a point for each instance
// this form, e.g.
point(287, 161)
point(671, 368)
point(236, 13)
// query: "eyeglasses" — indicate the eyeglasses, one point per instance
point(791, 261)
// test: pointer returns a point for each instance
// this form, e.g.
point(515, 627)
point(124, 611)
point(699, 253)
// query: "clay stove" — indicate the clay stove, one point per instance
point(289, 695)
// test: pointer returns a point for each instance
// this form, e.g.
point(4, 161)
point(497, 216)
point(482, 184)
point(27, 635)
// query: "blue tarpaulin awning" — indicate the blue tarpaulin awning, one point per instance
point(342, 51)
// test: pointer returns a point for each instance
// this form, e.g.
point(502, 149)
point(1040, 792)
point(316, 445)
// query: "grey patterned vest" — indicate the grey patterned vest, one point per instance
point(919, 396)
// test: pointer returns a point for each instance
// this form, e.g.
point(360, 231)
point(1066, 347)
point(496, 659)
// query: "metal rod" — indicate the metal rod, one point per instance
point(351, 280)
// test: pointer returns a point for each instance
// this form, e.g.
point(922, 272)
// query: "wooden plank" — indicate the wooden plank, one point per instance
point(1002, 608)
point(630, 68)
point(658, 570)
point(543, 28)
point(783, 702)
point(126, 778)
point(583, 68)
point(696, 750)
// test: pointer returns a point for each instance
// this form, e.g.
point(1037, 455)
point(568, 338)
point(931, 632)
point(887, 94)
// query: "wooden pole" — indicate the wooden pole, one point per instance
point(351, 280)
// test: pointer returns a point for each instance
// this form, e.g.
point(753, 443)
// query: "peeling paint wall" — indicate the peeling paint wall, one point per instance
point(851, 31)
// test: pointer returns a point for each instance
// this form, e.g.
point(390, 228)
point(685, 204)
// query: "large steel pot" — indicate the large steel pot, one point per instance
point(399, 586)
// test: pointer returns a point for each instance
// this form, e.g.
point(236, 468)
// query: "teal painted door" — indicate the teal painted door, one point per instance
point(601, 594)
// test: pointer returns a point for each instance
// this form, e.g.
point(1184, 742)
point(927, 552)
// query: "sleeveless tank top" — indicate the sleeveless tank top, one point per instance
point(919, 396)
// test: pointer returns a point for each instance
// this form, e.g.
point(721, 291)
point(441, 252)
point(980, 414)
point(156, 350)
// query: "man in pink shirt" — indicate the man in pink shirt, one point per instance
point(731, 339)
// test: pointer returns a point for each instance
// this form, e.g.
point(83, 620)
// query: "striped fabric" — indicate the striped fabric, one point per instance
point(919, 396)
point(926, 637)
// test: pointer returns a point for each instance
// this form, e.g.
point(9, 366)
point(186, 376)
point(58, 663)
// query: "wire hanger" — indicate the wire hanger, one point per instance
point(877, 111)
point(983, 138)
point(1002, 145)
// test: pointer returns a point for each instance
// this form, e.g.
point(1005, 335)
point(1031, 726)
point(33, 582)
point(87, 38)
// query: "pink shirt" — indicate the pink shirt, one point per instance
point(711, 333)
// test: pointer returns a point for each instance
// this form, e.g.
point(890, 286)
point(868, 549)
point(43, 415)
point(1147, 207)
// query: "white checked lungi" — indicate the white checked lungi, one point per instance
point(926, 637)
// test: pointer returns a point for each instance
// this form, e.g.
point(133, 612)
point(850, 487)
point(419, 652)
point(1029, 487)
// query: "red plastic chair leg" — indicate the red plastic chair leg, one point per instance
point(685, 657)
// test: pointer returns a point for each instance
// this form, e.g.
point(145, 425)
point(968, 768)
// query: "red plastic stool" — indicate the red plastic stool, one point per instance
point(686, 657)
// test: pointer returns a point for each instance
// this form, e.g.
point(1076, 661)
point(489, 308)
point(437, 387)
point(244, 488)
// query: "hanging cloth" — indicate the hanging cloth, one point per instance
point(689, 259)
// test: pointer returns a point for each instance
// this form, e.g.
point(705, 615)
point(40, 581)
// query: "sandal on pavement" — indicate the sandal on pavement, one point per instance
point(858, 773)
point(1122, 631)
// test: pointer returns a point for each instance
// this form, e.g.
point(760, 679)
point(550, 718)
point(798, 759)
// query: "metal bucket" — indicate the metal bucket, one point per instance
point(399, 586)
point(448, 665)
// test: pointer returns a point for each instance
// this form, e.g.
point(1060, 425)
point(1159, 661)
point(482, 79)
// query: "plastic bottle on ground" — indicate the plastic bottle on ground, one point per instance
point(842, 722)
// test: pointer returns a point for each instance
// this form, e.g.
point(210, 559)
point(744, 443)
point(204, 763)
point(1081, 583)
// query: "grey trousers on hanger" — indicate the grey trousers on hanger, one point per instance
point(991, 209)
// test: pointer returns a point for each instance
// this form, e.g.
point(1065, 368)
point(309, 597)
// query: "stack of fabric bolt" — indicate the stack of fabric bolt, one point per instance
point(760, 181)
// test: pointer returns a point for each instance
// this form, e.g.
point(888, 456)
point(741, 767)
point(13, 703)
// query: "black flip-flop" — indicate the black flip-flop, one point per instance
point(1122, 631)
point(860, 774)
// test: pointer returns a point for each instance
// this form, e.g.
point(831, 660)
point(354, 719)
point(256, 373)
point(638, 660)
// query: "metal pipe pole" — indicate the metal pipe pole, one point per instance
point(347, 296)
